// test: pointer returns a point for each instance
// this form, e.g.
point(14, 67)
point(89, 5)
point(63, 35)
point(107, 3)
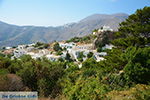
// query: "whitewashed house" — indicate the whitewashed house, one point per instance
point(52, 57)
point(37, 56)
point(20, 51)
point(75, 53)
point(31, 53)
point(86, 48)
point(67, 45)
point(69, 50)
point(21, 47)
point(105, 28)
point(99, 56)
point(30, 49)
point(44, 52)
point(108, 46)
point(80, 65)
point(63, 55)
point(7, 48)
point(94, 32)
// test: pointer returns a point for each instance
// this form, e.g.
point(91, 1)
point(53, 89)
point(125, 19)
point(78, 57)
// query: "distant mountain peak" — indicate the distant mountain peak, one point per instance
point(12, 35)
point(104, 16)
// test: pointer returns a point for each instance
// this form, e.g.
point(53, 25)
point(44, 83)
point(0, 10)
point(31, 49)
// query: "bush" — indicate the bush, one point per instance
point(81, 56)
point(4, 48)
point(56, 47)
point(90, 54)
point(138, 92)
point(40, 48)
point(89, 63)
point(68, 57)
point(99, 49)
point(38, 44)
point(46, 45)
point(60, 59)
point(2, 55)
point(11, 82)
point(59, 53)
point(137, 68)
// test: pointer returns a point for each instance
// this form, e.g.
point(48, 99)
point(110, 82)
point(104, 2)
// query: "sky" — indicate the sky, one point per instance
point(60, 12)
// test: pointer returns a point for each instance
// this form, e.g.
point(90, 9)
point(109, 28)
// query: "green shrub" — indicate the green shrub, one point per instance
point(137, 68)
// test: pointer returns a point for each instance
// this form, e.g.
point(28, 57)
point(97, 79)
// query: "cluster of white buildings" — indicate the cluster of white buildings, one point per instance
point(86, 48)
point(72, 48)
point(22, 50)
point(7, 48)
point(105, 28)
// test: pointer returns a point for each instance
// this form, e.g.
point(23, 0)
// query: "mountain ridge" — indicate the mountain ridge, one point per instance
point(103, 16)
point(13, 35)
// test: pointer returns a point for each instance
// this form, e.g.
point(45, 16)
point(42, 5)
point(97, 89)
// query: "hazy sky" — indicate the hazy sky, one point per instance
point(59, 12)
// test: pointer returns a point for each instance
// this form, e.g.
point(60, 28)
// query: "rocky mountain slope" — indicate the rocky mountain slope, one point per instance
point(12, 35)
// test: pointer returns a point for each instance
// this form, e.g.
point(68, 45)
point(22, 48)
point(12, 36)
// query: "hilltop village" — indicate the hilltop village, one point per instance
point(76, 51)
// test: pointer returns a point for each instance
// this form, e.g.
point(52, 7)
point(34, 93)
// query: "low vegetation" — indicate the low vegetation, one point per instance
point(86, 39)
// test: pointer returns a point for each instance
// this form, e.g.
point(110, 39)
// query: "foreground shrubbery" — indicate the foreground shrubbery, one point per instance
point(38, 75)
point(138, 92)
point(95, 80)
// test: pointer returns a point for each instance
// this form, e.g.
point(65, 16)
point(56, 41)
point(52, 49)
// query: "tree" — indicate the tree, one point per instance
point(65, 49)
point(68, 57)
point(38, 75)
point(4, 48)
point(81, 56)
point(137, 64)
point(46, 45)
point(105, 40)
point(13, 47)
point(135, 30)
point(10, 55)
point(90, 54)
point(26, 46)
point(75, 39)
point(2, 55)
point(99, 49)
point(57, 47)
point(89, 63)
point(51, 52)
point(60, 59)
point(38, 44)
point(72, 67)
point(113, 61)
point(54, 40)
point(59, 52)
point(95, 30)
point(40, 47)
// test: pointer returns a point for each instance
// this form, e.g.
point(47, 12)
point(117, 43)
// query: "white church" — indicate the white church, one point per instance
point(105, 28)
